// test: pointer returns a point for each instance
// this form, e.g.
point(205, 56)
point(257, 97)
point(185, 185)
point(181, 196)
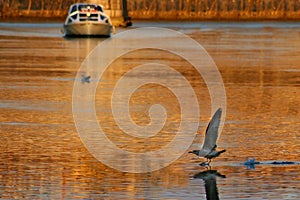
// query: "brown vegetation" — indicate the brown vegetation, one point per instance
point(214, 9)
point(33, 8)
point(165, 9)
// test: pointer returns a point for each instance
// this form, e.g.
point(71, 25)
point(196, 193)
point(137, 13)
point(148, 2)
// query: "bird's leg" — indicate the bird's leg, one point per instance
point(205, 163)
point(209, 160)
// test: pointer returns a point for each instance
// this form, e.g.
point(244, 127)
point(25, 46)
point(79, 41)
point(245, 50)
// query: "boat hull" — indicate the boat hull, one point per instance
point(87, 29)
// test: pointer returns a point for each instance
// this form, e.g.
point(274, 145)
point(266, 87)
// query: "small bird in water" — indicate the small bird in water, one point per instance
point(85, 79)
point(208, 149)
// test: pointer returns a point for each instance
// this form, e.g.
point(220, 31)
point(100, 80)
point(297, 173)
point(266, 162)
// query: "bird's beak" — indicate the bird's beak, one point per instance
point(190, 152)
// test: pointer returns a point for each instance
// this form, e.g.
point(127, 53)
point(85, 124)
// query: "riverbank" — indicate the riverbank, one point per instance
point(29, 19)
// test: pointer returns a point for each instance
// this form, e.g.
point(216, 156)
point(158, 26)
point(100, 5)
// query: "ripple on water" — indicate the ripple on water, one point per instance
point(43, 157)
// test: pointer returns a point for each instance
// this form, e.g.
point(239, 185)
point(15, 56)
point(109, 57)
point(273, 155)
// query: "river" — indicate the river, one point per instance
point(43, 157)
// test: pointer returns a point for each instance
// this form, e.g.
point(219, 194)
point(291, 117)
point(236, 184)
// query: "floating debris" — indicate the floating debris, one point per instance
point(250, 163)
point(85, 79)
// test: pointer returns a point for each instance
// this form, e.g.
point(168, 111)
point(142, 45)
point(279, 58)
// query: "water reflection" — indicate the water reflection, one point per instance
point(42, 156)
point(210, 182)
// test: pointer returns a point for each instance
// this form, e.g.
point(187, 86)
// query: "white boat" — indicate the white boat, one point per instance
point(86, 19)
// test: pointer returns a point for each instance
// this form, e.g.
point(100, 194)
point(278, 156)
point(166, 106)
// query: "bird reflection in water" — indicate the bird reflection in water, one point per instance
point(210, 182)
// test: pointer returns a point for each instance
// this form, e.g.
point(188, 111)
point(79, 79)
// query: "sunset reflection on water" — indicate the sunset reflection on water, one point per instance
point(43, 157)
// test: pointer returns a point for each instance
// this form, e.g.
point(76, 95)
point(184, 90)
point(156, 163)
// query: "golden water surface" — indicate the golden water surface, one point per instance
point(42, 156)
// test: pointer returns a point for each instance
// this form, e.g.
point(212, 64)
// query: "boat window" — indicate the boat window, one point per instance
point(73, 8)
point(74, 17)
point(99, 8)
point(102, 17)
point(94, 16)
point(85, 7)
point(91, 17)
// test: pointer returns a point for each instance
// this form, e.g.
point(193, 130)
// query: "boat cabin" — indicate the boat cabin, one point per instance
point(86, 12)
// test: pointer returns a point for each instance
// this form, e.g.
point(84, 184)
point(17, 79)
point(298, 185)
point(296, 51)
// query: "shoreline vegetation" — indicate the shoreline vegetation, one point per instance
point(235, 10)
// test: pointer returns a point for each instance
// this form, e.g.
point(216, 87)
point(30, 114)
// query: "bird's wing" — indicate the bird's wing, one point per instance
point(211, 134)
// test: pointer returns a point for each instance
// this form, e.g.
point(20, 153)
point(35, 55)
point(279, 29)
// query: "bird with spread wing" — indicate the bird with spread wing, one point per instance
point(208, 149)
